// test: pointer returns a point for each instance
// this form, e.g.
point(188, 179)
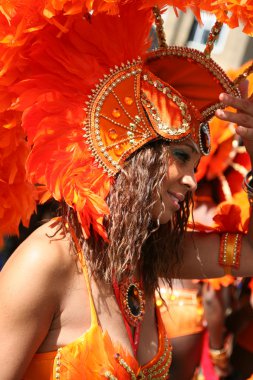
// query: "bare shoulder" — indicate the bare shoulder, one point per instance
point(32, 287)
point(46, 251)
point(41, 267)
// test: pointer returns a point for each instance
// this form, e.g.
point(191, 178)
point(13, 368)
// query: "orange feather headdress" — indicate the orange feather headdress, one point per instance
point(77, 77)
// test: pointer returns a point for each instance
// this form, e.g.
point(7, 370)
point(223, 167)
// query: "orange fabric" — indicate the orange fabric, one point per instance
point(41, 367)
point(184, 315)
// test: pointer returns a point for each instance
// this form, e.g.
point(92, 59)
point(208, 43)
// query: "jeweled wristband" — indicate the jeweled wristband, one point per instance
point(219, 358)
point(247, 186)
point(230, 251)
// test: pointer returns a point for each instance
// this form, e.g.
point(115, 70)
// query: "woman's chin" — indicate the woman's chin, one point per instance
point(165, 218)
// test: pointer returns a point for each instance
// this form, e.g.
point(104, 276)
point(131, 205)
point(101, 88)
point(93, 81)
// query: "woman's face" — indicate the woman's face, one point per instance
point(180, 179)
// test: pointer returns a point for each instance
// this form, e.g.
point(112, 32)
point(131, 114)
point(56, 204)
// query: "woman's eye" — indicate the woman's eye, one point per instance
point(196, 167)
point(181, 155)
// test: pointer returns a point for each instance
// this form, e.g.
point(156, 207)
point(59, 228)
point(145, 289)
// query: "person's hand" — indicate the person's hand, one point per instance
point(243, 117)
point(214, 310)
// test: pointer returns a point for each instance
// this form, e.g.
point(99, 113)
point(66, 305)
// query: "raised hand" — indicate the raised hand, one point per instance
point(243, 117)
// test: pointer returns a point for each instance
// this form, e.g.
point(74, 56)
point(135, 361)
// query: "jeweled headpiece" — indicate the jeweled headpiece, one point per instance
point(78, 79)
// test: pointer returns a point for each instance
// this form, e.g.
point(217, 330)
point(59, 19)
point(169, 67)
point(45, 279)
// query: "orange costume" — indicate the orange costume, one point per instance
point(78, 79)
point(94, 356)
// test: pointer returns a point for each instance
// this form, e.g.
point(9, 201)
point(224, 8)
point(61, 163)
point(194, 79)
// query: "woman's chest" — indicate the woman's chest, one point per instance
point(79, 309)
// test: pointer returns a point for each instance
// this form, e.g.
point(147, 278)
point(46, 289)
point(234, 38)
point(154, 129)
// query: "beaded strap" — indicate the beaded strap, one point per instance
point(159, 28)
point(213, 36)
point(244, 75)
point(230, 251)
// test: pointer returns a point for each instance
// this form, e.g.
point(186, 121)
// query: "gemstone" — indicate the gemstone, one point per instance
point(113, 134)
point(130, 134)
point(134, 300)
point(205, 140)
point(118, 150)
point(116, 113)
point(128, 100)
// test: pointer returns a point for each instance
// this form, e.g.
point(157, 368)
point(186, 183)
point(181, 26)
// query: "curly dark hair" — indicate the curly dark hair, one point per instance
point(135, 240)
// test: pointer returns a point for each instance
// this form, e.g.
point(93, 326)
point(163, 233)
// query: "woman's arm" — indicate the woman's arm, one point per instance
point(201, 251)
point(30, 284)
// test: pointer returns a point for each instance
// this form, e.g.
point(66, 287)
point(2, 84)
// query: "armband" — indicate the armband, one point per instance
point(230, 251)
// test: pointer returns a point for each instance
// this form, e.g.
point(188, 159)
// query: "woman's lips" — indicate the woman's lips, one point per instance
point(176, 199)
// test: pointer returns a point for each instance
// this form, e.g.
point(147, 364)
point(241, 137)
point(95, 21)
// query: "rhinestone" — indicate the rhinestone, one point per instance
point(116, 113)
point(128, 100)
point(113, 134)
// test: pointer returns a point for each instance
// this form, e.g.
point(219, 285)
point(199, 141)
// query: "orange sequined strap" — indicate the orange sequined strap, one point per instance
point(230, 251)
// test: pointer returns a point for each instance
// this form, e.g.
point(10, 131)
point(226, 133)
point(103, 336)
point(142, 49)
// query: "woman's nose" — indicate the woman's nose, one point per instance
point(190, 181)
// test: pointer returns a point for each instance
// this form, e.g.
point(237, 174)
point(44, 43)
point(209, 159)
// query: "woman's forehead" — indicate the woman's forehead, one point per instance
point(187, 143)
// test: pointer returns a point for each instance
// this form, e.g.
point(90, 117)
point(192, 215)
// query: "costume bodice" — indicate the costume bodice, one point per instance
point(95, 356)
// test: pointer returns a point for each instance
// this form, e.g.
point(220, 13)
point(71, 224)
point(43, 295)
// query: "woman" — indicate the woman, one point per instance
point(78, 294)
